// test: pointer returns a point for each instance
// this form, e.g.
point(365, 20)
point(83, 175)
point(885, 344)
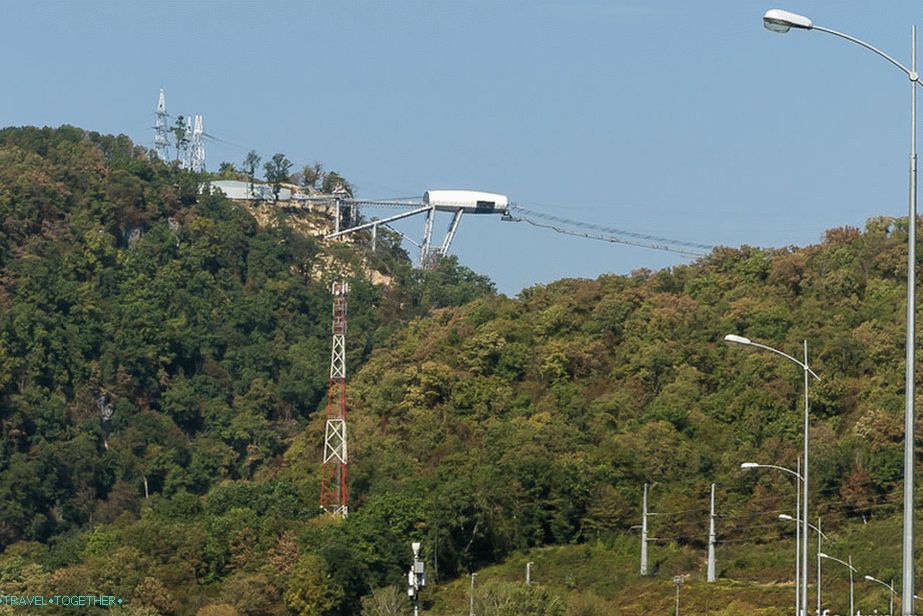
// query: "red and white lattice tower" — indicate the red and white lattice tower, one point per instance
point(333, 491)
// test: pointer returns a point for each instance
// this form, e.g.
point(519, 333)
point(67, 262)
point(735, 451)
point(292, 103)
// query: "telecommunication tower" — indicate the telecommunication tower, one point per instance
point(197, 147)
point(161, 132)
point(333, 492)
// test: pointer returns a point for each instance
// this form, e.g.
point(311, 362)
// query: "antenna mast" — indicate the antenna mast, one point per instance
point(333, 492)
point(198, 145)
point(161, 132)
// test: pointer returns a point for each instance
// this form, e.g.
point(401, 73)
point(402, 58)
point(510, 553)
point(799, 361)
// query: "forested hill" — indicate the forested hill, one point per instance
point(158, 346)
point(163, 358)
point(511, 423)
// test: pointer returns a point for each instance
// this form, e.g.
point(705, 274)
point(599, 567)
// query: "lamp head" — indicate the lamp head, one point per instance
point(870, 578)
point(822, 555)
point(416, 549)
point(785, 516)
point(777, 20)
point(749, 465)
point(736, 339)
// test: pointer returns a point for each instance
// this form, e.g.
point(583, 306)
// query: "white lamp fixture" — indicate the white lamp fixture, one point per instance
point(781, 21)
point(736, 339)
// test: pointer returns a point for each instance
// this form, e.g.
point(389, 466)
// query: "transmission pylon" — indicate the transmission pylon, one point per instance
point(161, 132)
point(197, 147)
point(333, 492)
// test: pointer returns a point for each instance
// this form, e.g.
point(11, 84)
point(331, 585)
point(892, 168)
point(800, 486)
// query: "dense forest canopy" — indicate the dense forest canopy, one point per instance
point(157, 345)
point(163, 358)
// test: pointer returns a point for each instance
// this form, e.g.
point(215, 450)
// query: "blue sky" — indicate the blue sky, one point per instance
point(685, 120)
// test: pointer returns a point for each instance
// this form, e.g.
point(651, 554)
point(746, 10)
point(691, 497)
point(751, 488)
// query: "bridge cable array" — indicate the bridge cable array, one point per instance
point(606, 233)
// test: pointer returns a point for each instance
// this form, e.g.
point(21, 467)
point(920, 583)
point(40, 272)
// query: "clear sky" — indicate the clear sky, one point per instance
point(681, 119)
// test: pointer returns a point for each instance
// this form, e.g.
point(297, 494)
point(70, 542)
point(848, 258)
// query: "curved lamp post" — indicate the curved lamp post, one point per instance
point(820, 534)
point(852, 570)
point(778, 20)
point(797, 475)
point(788, 518)
point(890, 587)
point(735, 339)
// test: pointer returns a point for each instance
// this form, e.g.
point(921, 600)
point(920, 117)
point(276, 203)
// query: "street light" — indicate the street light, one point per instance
point(797, 475)
point(785, 516)
point(852, 570)
point(751, 465)
point(732, 338)
point(782, 21)
point(416, 578)
point(788, 518)
point(679, 582)
point(890, 587)
point(471, 596)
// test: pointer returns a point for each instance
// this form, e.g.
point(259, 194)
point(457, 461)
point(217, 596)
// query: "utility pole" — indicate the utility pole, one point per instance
point(799, 511)
point(711, 538)
point(334, 497)
point(471, 596)
point(851, 594)
point(644, 532)
point(819, 552)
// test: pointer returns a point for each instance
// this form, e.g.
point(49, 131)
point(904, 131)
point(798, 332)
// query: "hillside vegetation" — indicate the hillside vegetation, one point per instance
point(159, 352)
point(163, 358)
point(537, 420)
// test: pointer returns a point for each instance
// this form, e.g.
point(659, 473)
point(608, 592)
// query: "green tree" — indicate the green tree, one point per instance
point(180, 135)
point(227, 171)
point(151, 592)
point(336, 183)
point(312, 591)
point(277, 170)
point(251, 162)
point(311, 175)
point(217, 609)
point(385, 601)
point(503, 599)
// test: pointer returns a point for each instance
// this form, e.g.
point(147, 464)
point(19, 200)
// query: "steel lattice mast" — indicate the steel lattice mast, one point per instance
point(161, 132)
point(334, 496)
point(197, 156)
